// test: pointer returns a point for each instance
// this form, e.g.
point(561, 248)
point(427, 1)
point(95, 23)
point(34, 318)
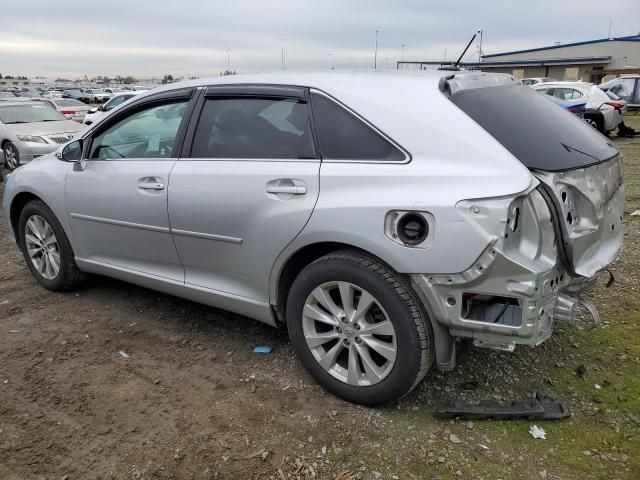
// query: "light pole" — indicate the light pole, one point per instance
point(375, 53)
point(330, 62)
point(228, 60)
point(282, 54)
point(402, 54)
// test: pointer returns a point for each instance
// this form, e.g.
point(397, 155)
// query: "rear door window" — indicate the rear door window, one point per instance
point(254, 128)
point(343, 136)
point(533, 129)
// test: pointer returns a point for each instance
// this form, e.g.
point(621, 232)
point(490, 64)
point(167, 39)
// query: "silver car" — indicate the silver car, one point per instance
point(72, 109)
point(379, 216)
point(31, 129)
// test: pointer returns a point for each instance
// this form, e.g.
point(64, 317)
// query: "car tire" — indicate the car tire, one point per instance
point(595, 122)
point(11, 155)
point(36, 217)
point(350, 364)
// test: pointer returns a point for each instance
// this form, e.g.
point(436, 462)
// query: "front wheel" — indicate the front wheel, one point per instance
point(11, 156)
point(46, 248)
point(358, 328)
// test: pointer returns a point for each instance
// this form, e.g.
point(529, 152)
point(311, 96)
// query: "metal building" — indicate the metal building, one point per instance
point(588, 61)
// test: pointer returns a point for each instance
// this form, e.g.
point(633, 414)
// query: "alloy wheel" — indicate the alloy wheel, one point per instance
point(11, 156)
point(349, 333)
point(42, 247)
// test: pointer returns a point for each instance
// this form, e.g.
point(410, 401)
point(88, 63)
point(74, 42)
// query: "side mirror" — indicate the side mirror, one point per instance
point(94, 110)
point(72, 152)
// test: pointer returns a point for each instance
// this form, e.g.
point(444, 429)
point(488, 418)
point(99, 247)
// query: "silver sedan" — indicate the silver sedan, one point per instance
point(31, 129)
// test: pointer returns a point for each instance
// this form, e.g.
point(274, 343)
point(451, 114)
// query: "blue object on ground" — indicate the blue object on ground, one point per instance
point(262, 349)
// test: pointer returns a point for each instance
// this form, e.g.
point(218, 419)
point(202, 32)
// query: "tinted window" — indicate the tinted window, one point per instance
point(343, 136)
point(537, 132)
point(253, 128)
point(150, 133)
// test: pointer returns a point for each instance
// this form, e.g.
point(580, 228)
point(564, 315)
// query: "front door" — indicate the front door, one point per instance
point(246, 189)
point(117, 198)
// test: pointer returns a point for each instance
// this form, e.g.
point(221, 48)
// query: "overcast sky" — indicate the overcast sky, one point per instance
point(154, 37)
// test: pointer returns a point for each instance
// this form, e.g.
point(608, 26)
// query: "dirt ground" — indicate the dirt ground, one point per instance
point(192, 400)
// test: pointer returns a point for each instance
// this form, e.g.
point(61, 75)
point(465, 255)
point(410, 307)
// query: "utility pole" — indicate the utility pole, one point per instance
point(228, 60)
point(402, 54)
point(330, 62)
point(375, 53)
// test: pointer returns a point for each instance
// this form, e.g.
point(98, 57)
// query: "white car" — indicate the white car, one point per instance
point(530, 82)
point(97, 95)
point(602, 112)
point(97, 113)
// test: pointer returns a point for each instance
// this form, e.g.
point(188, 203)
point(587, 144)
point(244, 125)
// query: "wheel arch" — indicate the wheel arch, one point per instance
point(443, 342)
point(17, 204)
point(294, 264)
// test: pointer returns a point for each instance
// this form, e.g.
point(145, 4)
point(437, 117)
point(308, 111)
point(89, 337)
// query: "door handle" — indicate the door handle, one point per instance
point(290, 189)
point(147, 185)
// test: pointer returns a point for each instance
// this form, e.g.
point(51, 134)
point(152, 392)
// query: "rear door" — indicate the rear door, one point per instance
point(245, 188)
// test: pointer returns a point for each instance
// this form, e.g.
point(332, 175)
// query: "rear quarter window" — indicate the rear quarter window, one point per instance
point(343, 136)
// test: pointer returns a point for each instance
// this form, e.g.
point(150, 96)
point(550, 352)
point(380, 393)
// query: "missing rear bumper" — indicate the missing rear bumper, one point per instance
point(544, 406)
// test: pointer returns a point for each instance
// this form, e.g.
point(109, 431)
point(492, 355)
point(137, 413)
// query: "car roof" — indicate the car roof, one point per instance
point(565, 84)
point(18, 103)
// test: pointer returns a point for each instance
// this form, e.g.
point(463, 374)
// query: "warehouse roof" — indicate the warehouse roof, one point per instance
point(631, 38)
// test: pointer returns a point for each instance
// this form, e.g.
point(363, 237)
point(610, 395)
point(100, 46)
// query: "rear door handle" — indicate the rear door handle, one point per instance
point(291, 189)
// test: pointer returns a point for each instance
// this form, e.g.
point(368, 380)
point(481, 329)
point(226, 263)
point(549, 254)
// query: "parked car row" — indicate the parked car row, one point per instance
point(598, 105)
point(85, 95)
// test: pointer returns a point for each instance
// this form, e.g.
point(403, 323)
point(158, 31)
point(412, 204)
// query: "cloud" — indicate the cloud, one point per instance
point(148, 37)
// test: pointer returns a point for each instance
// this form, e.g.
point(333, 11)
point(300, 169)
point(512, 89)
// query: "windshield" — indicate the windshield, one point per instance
point(538, 133)
point(28, 114)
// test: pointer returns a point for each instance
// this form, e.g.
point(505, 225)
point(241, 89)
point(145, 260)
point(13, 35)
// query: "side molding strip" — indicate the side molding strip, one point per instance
point(120, 223)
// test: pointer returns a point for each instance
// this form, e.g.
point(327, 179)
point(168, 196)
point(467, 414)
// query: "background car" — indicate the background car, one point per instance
point(97, 95)
point(536, 80)
point(97, 113)
point(626, 87)
point(77, 94)
point(69, 107)
point(602, 113)
point(113, 90)
point(577, 107)
point(31, 129)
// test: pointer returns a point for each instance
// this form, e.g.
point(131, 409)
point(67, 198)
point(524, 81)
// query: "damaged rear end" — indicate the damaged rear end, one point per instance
point(547, 246)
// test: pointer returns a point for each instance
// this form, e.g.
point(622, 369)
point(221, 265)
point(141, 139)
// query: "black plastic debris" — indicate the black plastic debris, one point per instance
point(545, 406)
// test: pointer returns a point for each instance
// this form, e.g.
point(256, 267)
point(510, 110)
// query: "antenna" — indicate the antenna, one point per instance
point(454, 66)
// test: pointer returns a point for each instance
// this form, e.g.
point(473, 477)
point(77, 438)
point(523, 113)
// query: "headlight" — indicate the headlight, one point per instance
point(30, 138)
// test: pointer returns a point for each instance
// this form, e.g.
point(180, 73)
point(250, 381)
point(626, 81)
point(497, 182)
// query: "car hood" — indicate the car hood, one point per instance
point(45, 128)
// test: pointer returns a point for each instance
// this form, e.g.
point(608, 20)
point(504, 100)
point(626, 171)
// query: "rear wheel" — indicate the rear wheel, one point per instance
point(595, 122)
point(11, 156)
point(358, 328)
point(46, 248)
